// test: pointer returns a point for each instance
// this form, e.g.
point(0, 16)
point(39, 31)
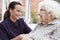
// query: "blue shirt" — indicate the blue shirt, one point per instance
point(3, 35)
point(15, 29)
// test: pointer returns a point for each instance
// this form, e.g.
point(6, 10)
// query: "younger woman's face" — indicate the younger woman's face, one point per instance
point(16, 12)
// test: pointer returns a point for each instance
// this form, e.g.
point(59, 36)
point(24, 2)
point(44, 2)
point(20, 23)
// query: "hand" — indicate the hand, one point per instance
point(19, 37)
point(27, 38)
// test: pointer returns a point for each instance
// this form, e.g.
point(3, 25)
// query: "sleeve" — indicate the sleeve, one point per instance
point(56, 34)
point(27, 29)
point(32, 33)
point(3, 34)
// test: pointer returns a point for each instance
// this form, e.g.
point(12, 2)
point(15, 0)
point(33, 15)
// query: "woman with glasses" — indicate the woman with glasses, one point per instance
point(49, 26)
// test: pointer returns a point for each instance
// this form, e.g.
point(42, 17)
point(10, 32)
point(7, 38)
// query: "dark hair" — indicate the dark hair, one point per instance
point(11, 6)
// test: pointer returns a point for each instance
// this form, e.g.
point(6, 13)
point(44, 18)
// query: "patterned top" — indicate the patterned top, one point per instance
point(47, 32)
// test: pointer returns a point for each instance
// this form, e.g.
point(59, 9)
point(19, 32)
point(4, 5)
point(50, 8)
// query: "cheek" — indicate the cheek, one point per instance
point(13, 14)
point(18, 13)
point(44, 17)
point(49, 16)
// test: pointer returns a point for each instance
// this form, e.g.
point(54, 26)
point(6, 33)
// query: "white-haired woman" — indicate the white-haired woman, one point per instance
point(49, 26)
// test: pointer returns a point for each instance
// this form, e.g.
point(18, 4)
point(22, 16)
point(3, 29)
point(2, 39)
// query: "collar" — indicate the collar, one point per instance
point(53, 22)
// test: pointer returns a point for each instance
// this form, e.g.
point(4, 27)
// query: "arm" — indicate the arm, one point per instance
point(27, 29)
point(17, 38)
point(22, 37)
point(26, 37)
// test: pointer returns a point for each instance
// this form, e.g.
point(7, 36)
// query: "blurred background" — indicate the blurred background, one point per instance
point(29, 8)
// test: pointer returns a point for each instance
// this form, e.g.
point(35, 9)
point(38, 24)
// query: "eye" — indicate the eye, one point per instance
point(19, 11)
point(40, 15)
point(49, 12)
point(42, 9)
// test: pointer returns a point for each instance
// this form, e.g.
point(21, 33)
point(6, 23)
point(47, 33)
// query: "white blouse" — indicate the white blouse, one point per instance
point(47, 32)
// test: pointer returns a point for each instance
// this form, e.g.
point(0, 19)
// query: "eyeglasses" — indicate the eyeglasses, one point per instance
point(42, 9)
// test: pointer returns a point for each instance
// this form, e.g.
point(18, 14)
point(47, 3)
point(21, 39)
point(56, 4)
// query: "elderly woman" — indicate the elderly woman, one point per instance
point(49, 26)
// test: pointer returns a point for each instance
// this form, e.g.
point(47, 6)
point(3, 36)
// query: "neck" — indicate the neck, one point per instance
point(44, 23)
point(13, 19)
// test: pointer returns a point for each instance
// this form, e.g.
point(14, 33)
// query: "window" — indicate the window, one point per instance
point(29, 8)
point(58, 1)
point(0, 10)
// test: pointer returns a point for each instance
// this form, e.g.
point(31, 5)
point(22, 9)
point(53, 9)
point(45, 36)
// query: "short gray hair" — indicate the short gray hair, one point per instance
point(51, 5)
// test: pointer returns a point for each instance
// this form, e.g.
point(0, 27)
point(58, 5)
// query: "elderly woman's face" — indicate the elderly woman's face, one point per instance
point(45, 16)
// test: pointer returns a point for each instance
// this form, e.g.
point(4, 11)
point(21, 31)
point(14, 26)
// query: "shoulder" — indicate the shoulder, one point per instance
point(57, 21)
point(37, 27)
point(21, 19)
point(4, 22)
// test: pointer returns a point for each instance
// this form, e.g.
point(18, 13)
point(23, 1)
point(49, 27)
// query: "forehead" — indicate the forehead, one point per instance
point(18, 7)
point(44, 11)
point(43, 8)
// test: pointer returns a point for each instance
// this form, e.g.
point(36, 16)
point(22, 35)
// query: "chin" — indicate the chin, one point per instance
point(17, 18)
